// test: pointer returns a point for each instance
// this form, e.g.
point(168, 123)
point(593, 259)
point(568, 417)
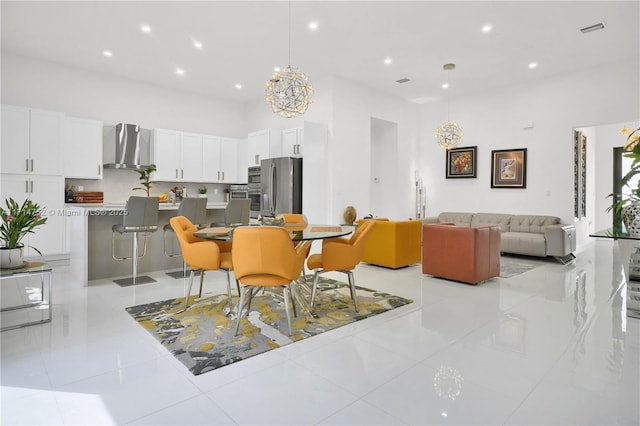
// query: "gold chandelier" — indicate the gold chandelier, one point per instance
point(449, 134)
point(289, 92)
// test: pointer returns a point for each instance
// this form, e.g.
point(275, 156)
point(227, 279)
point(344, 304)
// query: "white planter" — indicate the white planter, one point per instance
point(11, 258)
point(631, 219)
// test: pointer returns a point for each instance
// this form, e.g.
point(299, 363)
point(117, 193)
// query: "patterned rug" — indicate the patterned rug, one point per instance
point(202, 336)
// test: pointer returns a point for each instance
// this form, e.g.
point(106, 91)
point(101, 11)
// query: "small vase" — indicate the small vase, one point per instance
point(11, 258)
point(631, 219)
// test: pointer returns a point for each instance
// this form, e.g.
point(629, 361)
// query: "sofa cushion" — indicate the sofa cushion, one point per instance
point(527, 243)
point(532, 223)
point(485, 219)
point(460, 219)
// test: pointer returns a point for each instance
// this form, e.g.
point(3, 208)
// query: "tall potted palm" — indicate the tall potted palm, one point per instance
point(628, 206)
point(18, 220)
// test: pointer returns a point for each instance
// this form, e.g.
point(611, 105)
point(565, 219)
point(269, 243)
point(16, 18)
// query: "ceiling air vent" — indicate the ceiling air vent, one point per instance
point(594, 27)
point(403, 80)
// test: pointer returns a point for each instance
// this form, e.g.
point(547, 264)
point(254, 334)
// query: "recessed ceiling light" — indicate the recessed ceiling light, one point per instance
point(107, 53)
point(487, 28)
point(179, 71)
point(238, 86)
point(145, 29)
point(445, 86)
point(313, 25)
point(387, 61)
point(197, 45)
point(533, 65)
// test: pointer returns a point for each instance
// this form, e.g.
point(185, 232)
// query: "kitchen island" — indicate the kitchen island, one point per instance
point(90, 250)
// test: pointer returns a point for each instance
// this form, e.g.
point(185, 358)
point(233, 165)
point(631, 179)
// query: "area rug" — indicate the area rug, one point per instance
point(202, 336)
point(511, 266)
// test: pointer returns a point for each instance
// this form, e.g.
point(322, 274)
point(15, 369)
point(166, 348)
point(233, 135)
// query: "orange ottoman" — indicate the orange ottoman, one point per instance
point(393, 244)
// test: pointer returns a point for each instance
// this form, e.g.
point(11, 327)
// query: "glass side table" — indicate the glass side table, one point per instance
point(629, 247)
point(30, 269)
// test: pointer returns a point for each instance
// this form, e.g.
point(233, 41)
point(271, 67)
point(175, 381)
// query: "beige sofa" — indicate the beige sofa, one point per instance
point(530, 235)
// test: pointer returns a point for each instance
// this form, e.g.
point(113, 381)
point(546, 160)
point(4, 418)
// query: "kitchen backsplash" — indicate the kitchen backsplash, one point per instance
point(117, 185)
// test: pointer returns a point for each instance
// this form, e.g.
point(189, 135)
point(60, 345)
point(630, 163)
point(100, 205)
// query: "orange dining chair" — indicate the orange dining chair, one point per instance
point(342, 255)
point(201, 255)
point(263, 256)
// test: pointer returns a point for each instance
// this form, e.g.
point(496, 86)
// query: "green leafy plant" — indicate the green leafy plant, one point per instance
point(145, 176)
point(202, 190)
point(18, 221)
point(631, 151)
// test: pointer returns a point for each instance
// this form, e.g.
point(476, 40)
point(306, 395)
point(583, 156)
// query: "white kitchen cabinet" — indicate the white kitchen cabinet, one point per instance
point(258, 146)
point(292, 142)
point(31, 141)
point(165, 154)
point(177, 156)
point(242, 164)
point(48, 192)
point(82, 148)
point(190, 157)
point(229, 160)
point(220, 159)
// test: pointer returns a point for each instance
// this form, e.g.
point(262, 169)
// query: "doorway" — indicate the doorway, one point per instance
point(384, 169)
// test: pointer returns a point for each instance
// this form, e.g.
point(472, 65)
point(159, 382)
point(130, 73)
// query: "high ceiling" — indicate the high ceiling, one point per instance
point(242, 41)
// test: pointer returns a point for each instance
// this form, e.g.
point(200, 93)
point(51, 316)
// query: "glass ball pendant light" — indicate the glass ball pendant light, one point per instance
point(449, 134)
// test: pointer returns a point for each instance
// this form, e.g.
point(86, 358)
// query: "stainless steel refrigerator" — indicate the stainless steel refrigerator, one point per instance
point(281, 186)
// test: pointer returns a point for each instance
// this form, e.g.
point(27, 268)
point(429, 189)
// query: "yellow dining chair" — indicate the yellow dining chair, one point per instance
point(296, 219)
point(263, 256)
point(201, 255)
point(342, 255)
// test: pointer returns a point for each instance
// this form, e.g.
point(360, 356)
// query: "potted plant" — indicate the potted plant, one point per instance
point(629, 206)
point(145, 176)
point(17, 221)
point(203, 192)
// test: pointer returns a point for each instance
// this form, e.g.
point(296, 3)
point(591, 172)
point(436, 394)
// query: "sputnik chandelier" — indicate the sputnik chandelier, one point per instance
point(449, 134)
point(289, 92)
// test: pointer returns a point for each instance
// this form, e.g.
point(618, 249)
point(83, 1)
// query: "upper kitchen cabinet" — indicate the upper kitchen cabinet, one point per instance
point(220, 159)
point(31, 141)
point(177, 156)
point(82, 147)
point(292, 142)
point(258, 147)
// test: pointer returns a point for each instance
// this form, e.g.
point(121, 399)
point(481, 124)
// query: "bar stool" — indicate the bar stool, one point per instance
point(194, 209)
point(141, 218)
point(236, 213)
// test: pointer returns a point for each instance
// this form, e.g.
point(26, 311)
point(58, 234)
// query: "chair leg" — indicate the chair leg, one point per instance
point(352, 287)
point(316, 275)
point(287, 297)
point(201, 281)
point(239, 310)
point(186, 296)
point(229, 290)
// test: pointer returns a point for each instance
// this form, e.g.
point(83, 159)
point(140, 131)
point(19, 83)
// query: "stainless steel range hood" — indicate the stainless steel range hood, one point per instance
point(126, 146)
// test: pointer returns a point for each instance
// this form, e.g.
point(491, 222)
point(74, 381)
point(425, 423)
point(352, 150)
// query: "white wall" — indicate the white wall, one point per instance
point(46, 85)
point(496, 120)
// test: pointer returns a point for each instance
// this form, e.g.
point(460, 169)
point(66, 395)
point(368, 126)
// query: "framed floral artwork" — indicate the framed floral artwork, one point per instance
point(461, 162)
point(509, 168)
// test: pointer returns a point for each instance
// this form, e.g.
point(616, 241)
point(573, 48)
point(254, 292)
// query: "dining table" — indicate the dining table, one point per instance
point(303, 234)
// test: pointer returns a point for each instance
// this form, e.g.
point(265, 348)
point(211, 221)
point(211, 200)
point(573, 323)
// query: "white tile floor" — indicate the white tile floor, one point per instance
point(550, 346)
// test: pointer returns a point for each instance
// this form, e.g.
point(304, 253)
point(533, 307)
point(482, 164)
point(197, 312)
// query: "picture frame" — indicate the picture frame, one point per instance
point(461, 162)
point(509, 168)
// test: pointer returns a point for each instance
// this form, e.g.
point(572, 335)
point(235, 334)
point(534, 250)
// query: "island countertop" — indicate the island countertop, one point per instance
point(90, 229)
point(121, 205)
